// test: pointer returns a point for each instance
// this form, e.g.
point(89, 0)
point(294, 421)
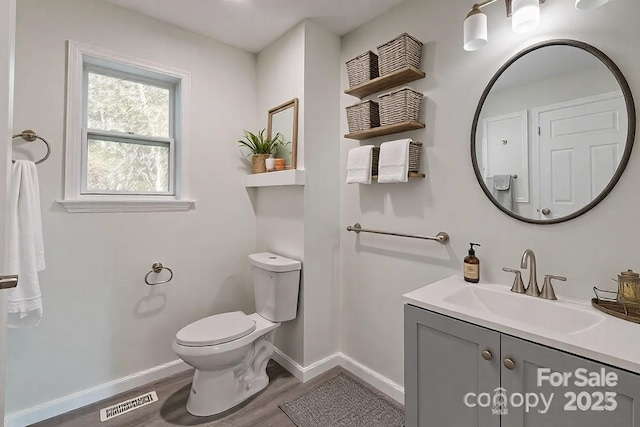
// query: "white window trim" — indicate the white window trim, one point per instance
point(73, 200)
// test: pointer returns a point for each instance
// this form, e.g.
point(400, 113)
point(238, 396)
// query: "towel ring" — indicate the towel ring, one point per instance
point(157, 268)
point(30, 136)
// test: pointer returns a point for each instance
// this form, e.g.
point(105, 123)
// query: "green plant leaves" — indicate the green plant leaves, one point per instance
point(260, 143)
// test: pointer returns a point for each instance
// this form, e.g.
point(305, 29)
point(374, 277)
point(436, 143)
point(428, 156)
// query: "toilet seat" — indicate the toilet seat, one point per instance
point(217, 329)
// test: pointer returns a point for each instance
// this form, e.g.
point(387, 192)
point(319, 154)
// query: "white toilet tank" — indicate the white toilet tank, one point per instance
point(276, 282)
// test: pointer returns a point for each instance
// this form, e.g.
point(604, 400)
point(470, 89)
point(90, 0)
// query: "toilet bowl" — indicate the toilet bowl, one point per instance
point(230, 351)
point(227, 373)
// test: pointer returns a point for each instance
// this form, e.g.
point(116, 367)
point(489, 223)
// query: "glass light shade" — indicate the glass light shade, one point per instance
point(475, 31)
point(590, 4)
point(525, 15)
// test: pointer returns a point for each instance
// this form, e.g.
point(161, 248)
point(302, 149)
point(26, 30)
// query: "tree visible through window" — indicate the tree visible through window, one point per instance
point(129, 135)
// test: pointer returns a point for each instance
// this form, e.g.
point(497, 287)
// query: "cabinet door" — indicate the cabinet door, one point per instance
point(443, 362)
point(573, 404)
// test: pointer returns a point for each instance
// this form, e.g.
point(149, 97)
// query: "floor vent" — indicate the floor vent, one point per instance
point(127, 406)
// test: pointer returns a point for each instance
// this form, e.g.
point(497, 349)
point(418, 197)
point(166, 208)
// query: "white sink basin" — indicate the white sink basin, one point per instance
point(556, 316)
point(567, 324)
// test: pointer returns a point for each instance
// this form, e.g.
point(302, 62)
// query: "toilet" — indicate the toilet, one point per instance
point(230, 351)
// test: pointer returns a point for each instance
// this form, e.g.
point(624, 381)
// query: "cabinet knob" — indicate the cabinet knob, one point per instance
point(509, 364)
point(486, 355)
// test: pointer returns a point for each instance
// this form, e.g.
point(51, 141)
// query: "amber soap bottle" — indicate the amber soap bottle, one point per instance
point(472, 265)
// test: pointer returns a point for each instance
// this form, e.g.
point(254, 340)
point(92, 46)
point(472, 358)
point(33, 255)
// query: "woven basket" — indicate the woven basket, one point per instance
point(362, 116)
point(414, 156)
point(398, 53)
point(258, 163)
point(375, 156)
point(400, 106)
point(362, 68)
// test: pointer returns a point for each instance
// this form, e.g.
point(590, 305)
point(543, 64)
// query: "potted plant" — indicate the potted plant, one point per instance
point(260, 147)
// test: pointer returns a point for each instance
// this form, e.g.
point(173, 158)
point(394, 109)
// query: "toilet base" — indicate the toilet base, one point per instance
point(213, 392)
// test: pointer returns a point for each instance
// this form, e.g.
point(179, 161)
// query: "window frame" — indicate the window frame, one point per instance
point(125, 138)
point(82, 59)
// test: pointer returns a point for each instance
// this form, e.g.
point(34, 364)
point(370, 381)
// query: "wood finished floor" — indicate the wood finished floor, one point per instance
point(260, 410)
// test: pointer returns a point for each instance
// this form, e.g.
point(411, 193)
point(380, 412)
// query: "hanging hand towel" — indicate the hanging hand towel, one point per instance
point(26, 247)
point(501, 190)
point(502, 182)
point(394, 161)
point(359, 165)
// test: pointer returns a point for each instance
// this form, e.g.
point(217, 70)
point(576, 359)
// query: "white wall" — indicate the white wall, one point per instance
point(302, 222)
point(377, 270)
point(554, 90)
point(322, 193)
point(101, 322)
point(280, 210)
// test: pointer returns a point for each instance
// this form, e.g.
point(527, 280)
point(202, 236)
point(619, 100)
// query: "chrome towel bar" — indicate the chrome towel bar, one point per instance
point(157, 268)
point(441, 237)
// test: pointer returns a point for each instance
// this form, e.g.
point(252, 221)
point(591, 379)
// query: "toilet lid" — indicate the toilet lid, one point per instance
point(216, 329)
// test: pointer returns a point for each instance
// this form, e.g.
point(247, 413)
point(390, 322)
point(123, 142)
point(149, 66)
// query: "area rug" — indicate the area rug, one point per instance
point(341, 401)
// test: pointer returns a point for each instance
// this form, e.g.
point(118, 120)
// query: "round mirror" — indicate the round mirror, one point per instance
point(553, 132)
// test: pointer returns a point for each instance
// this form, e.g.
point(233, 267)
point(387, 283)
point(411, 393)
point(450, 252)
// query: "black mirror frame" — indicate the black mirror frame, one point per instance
point(631, 127)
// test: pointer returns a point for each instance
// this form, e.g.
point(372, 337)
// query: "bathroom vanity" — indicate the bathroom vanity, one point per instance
point(480, 355)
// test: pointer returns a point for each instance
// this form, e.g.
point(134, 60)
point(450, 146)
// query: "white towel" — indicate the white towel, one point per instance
point(359, 165)
point(26, 246)
point(394, 161)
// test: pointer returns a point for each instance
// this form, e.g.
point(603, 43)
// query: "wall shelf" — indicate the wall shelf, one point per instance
point(411, 175)
point(277, 178)
point(389, 81)
point(385, 130)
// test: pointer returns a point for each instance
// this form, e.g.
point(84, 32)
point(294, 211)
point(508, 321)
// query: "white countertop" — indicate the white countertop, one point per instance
point(611, 340)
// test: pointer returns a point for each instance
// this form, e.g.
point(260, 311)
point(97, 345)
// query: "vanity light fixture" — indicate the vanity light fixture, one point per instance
point(524, 14)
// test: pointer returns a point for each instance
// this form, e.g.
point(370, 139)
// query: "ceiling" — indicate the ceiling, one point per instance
point(252, 25)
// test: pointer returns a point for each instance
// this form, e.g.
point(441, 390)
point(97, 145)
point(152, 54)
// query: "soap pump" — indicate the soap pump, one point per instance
point(472, 265)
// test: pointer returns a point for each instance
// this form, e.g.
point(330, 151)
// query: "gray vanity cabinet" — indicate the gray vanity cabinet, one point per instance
point(444, 361)
point(574, 403)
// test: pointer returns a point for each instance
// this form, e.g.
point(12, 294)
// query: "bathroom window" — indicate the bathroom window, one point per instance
point(128, 137)
point(125, 137)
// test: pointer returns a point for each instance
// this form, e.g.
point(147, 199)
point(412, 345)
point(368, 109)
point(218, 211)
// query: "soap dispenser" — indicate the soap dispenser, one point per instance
point(472, 265)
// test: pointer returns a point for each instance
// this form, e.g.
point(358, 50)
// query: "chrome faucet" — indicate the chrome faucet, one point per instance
point(529, 259)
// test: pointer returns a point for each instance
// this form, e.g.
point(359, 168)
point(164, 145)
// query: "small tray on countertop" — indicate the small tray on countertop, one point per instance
point(610, 305)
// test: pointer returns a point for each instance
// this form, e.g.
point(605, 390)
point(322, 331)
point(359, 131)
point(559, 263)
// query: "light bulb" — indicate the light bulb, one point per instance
point(525, 16)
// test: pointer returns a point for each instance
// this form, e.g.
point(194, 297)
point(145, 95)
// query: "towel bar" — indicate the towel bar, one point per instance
point(441, 237)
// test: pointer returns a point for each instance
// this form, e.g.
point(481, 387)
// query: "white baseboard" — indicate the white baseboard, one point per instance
point(92, 395)
point(373, 378)
point(304, 374)
point(366, 374)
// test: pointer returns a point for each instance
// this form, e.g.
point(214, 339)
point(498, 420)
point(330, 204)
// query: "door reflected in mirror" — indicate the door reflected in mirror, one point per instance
point(553, 132)
point(283, 119)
